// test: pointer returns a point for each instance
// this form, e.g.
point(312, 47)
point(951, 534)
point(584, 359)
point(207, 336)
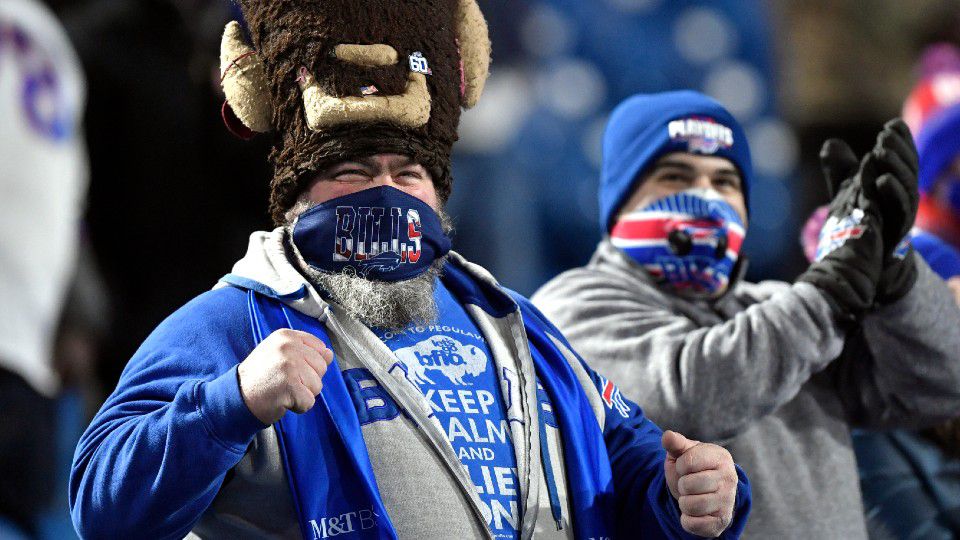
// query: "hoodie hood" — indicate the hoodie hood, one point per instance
point(266, 269)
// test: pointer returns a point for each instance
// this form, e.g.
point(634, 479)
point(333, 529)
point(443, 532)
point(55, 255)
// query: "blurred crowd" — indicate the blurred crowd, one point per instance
point(113, 156)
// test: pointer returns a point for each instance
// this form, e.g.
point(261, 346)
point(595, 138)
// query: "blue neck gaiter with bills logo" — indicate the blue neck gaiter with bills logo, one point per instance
point(379, 233)
point(690, 241)
point(450, 363)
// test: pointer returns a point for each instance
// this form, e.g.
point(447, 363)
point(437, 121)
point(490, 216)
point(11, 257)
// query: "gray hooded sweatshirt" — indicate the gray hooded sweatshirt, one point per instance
point(769, 372)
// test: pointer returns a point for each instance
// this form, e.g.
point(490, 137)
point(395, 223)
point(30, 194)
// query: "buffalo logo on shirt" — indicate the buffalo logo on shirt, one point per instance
point(40, 89)
point(447, 355)
point(702, 135)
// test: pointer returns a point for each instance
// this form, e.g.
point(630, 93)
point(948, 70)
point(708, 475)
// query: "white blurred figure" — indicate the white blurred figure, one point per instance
point(43, 177)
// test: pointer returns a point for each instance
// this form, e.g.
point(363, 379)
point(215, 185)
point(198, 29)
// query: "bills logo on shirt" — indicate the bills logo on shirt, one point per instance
point(836, 231)
point(702, 135)
point(376, 237)
point(612, 397)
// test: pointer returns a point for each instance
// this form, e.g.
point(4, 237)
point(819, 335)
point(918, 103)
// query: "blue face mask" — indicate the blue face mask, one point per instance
point(690, 241)
point(380, 233)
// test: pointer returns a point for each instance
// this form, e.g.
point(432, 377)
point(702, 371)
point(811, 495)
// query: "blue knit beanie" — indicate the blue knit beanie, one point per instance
point(647, 126)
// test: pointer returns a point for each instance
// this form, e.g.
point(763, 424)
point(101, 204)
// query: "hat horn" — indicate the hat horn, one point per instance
point(474, 38)
point(244, 80)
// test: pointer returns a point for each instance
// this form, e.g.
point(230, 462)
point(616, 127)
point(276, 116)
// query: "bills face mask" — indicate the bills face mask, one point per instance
point(689, 241)
point(380, 233)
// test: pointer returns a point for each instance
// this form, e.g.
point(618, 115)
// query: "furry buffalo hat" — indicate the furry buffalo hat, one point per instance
point(338, 79)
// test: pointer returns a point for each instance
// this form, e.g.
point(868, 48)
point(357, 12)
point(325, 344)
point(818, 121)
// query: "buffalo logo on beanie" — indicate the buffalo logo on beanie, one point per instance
point(702, 135)
point(646, 127)
point(338, 79)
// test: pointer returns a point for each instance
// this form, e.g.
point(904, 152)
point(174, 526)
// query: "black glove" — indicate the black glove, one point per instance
point(850, 253)
point(899, 192)
point(897, 197)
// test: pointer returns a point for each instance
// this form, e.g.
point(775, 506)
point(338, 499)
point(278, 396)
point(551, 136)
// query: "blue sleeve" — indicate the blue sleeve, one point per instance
point(156, 453)
point(943, 258)
point(636, 460)
point(644, 508)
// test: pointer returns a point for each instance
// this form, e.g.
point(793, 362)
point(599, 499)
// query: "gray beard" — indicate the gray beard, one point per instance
point(391, 305)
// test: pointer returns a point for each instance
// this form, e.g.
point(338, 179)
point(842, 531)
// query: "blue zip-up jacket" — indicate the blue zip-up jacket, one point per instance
point(175, 452)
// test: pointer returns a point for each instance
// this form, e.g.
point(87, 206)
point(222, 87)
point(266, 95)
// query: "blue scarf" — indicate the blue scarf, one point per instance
point(332, 479)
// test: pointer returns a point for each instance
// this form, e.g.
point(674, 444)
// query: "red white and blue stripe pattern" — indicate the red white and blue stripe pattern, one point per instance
point(715, 234)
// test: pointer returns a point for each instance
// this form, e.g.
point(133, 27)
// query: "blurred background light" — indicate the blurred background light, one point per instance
point(704, 35)
point(774, 147)
point(739, 86)
point(634, 6)
point(572, 88)
point(496, 120)
point(546, 32)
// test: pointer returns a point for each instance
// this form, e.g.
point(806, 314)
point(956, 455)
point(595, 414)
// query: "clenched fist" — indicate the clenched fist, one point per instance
point(703, 479)
point(283, 374)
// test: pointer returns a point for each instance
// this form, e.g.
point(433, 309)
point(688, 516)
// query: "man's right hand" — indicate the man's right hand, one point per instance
point(849, 257)
point(283, 374)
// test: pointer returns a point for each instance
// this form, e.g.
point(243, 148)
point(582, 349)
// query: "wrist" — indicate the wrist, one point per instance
point(250, 397)
point(898, 278)
point(846, 303)
point(225, 412)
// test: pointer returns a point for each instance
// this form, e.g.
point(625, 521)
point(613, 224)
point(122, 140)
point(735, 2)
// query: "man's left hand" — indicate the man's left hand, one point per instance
point(703, 479)
point(954, 284)
point(896, 164)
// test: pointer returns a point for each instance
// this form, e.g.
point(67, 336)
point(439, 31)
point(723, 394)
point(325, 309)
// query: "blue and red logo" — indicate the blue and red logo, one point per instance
point(612, 398)
point(362, 237)
point(702, 135)
point(379, 233)
point(836, 231)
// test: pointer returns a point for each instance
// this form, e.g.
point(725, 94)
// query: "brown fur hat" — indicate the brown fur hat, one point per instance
point(338, 79)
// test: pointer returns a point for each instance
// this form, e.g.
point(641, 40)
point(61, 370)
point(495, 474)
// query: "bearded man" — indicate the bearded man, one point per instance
point(354, 377)
point(776, 372)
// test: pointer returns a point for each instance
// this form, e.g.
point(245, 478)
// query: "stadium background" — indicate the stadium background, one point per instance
point(173, 197)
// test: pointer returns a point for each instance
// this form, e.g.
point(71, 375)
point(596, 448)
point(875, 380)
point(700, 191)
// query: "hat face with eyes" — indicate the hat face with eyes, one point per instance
point(332, 82)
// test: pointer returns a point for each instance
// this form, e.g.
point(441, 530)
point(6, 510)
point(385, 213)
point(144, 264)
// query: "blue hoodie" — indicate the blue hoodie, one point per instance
point(163, 446)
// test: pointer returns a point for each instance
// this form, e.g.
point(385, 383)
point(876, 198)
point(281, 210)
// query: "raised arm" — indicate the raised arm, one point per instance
point(903, 368)
point(156, 453)
point(708, 379)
